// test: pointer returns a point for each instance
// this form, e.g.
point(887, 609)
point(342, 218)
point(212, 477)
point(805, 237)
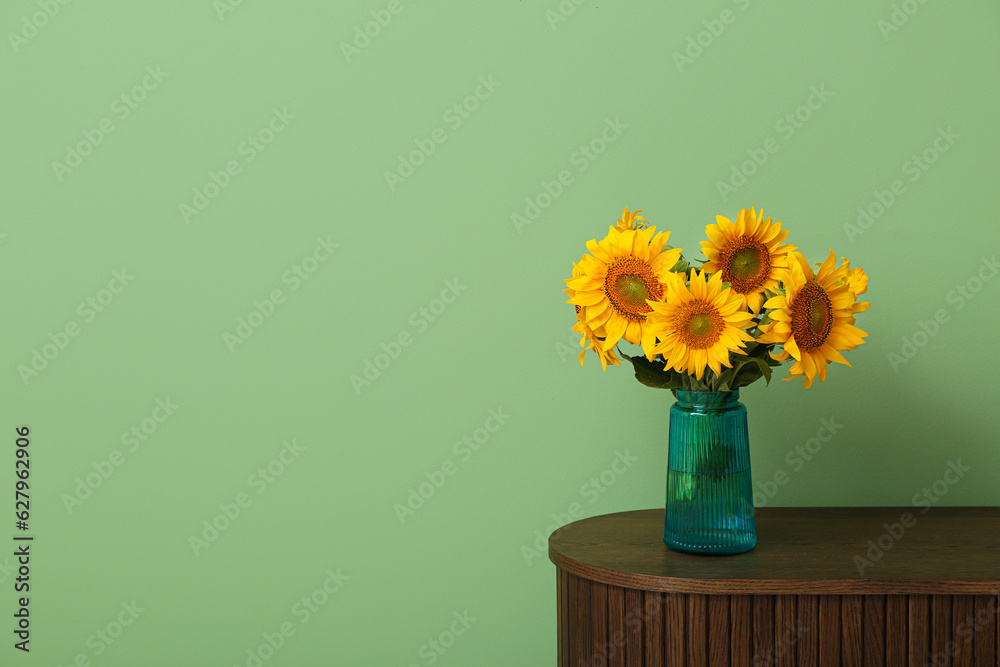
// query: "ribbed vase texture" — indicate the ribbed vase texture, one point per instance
point(709, 487)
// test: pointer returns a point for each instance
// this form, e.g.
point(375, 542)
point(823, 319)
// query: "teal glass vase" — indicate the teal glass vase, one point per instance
point(709, 487)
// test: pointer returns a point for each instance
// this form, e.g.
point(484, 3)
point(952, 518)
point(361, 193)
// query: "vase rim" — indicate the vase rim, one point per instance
point(708, 398)
point(693, 391)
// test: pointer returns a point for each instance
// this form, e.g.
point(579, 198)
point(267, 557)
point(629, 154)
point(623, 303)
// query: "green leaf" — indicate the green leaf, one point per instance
point(680, 267)
point(653, 374)
point(725, 380)
point(762, 351)
point(750, 370)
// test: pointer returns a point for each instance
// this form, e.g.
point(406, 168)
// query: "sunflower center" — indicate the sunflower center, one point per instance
point(632, 289)
point(699, 324)
point(812, 316)
point(629, 282)
point(746, 264)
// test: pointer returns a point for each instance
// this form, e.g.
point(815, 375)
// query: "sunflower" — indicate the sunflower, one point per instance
point(590, 340)
point(595, 343)
point(814, 318)
point(700, 325)
point(616, 279)
point(857, 282)
point(629, 220)
point(749, 254)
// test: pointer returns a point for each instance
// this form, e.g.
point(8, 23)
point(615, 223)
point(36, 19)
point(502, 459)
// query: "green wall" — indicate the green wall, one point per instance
point(231, 159)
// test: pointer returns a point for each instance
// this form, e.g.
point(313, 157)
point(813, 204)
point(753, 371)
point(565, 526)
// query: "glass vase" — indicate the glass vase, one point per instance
point(709, 487)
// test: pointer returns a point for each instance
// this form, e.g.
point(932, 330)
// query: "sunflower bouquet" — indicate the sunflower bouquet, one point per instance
point(718, 326)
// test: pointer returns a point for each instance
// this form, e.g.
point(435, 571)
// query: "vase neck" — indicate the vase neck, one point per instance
point(707, 399)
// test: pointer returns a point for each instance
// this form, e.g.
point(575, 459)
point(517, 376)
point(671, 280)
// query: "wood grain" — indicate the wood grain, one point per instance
point(852, 634)
point(675, 630)
point(698, 631)
point(599, 620)
point(919, 630)
point(718, 631)
point(874, 631)
point(986, 629)
point(788, 633)
point(896, 630)
point(635, 650)
point(940, 613)
point(948, 612)
point(829, 630)
point(573, 629)
point(741, 629)
point(805, 550)
point(962, 632)
point(584, 611)
point(616, 627)
point(654, 628)
point(562, 623)
point(807, 607)
point(763, 629)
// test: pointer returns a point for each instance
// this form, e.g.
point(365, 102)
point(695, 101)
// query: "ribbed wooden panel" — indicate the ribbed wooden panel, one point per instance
point(808, 629)
point(616, 626)
point(918, 630)
point(784, 628)
point(874, 628)
point(852, 633)
point(561, 620)
point(828, 630)
point(896, 641)
point(718, 617)
point(656, 622)
point(698, 631)
point(601, 625)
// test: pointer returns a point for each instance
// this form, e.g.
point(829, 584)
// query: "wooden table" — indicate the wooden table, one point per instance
point(824, 586)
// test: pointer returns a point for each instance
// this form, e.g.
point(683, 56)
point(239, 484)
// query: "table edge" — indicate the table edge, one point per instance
point(796, 586)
